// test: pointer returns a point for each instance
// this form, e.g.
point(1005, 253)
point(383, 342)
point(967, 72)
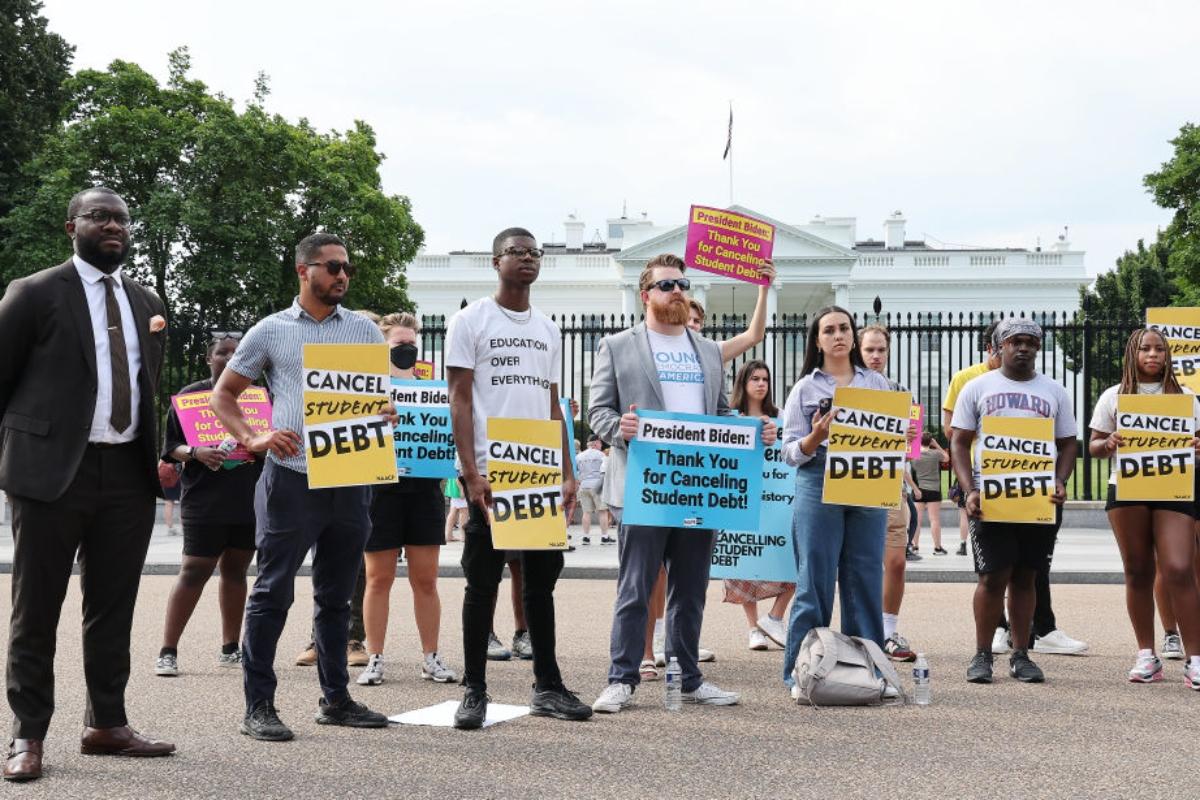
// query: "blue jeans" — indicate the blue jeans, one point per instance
point(834, 544)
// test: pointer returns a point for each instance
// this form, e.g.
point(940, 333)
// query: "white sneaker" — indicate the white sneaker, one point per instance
point(432, 669)
point(1001, 642)
point(373, 674)
point(1172, 647)
point(708, 695)
point(614, 697)
point(795, 692)
point(705, 655)
point(758, 640)
point(167, 666)
point(774, 629)
point(231, 660)
point(1191, 676)
point(1058, 643)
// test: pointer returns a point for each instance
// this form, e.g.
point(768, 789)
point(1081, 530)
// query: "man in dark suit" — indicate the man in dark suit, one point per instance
point(84, 347)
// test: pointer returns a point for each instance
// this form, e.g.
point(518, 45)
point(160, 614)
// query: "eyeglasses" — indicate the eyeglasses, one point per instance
point(334, 267)
point(669, 284)
point(101, 216)
point(220, 336)
point(521, 252)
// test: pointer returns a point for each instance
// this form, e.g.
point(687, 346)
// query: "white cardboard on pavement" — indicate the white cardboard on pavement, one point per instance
point(442, 715)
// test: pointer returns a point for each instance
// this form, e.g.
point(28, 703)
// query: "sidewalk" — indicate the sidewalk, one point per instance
point(1083, 555)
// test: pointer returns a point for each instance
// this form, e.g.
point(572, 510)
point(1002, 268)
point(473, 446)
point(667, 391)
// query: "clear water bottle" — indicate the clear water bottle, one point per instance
point(674, 699)
point(921, 687)
point(227, 446)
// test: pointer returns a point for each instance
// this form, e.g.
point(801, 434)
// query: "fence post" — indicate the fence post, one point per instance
point(1087, 393)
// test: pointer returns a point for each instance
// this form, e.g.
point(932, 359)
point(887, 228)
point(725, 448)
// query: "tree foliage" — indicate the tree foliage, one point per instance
point(34, 63)
point(1176, 187)
point(219, 197)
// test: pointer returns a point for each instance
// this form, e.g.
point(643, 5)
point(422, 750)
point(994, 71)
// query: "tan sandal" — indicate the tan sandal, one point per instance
point(648, 671)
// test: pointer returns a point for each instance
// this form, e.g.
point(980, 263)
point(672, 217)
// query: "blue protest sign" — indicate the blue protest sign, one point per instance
point(569, 423)
point(694, 471)
point(764, 553)
point(424, 441)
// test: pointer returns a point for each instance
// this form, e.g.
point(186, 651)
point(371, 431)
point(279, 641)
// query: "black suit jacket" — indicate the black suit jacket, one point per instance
point(48, 380)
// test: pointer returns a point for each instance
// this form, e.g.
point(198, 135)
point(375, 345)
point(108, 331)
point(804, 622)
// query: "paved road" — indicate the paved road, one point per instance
point(1086, 733)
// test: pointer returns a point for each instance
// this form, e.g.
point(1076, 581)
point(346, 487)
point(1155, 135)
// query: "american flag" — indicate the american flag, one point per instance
point(729, 139)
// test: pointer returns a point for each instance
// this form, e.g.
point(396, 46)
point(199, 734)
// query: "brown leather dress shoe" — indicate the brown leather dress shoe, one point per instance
point(123, 741)
point(24, 760)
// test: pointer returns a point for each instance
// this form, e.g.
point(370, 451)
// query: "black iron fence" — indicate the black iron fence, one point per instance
point(1083, 354)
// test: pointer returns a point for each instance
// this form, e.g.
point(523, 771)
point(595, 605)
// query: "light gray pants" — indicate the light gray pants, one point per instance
point(641, 550)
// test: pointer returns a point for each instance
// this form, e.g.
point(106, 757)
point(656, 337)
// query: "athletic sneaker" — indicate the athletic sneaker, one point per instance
point(585, 539)
point(1172, 647)
point(373, 674)
point(962, 549)
point(522, 647)
point(705, 655)
point(939, 551)
point(660, 647)
point(560, 703)
point(262, 722)
point(432, 669)
point(758, 640)
point(980, 668)
point(912, 555)
point(706, 694)
point(1024, 670)
point(608, 540)
point(1191, 676)
point(472, 711)
point(898, 649)
point(349, 714)
point(356, 654)
point(615, 697)
point(1058, 643)
point(496, 650)
point(1148, 669)
point(774, 629)
point(167, 666)
point(1001, 641)
point(231, 660)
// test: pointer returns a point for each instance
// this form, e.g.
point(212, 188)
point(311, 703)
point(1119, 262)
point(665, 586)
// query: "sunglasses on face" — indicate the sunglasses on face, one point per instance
point(102, 216)
point(669, 284)
point(334, 268)
point(220, 336)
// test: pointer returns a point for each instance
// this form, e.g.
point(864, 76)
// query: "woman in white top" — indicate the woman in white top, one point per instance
point(1150, 533)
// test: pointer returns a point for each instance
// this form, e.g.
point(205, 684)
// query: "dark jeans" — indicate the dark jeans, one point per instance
point(483, 565)
point(106, 515)
point(291, 519)
point(912, 516)
point(358, 631)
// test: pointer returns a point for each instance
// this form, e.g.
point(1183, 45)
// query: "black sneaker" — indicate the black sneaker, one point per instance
point(559, 703)
point(962, 549)
point(586, 540)
point(1024, 670)
point(939, 551)
point(911, 555)
point(980, 668)
point(472, 711)
point(262, 722)
point(349, 714)
point(607, 540)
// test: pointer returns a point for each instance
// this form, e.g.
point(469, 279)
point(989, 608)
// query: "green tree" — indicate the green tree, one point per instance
point(34, 63)
point(1176, 187)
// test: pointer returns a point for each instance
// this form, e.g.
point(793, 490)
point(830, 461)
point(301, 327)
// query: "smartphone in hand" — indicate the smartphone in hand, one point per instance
point(824, 404)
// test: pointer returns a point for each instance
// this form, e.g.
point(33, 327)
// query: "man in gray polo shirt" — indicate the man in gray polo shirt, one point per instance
point(290, 517)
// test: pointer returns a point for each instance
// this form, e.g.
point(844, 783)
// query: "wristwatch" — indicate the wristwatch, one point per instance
point(189, 451)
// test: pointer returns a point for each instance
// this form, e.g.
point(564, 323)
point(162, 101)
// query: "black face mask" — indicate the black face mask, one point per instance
point(404, 356)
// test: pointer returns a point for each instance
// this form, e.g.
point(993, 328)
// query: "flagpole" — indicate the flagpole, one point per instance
point(730, 152)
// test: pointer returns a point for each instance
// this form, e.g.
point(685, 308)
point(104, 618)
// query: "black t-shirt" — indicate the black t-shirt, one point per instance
point(211, 497)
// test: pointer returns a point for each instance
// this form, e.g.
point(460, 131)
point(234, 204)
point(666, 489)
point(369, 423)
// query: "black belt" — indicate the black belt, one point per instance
point(111, 445)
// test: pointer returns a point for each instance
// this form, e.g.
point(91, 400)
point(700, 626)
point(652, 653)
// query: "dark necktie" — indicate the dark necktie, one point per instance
point(119, 418)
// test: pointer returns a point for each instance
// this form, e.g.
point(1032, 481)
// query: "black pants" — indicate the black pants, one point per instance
point(483, 565)
point(291, 519)
point(358, 630)
point(106, 515)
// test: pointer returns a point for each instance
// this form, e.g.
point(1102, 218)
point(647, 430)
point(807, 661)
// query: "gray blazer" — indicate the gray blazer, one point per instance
point(624, 374)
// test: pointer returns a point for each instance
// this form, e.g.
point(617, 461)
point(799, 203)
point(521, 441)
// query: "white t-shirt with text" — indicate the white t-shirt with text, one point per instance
point(679, 372)
point(1104, 416)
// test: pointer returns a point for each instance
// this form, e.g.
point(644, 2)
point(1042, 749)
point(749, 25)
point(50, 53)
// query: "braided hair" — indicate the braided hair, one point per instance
point(1129, 371)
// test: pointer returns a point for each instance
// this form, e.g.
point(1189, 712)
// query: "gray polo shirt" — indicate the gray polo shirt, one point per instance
point(275, 348)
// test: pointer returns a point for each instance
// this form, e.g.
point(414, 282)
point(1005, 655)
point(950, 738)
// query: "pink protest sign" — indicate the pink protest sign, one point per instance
point(728, 244)
point(201, 427)
point(916, 421)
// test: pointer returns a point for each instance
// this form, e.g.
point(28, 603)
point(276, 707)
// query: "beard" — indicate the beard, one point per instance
point(103, 260)
point(330, 295)
point(672, 311)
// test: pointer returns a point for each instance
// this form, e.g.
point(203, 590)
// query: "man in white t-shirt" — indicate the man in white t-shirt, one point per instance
point(1009, 555)
point(658, 365)
point(591, 482)
point(503, 359)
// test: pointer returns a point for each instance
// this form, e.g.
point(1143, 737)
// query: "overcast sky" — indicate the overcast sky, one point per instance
point(985, 123)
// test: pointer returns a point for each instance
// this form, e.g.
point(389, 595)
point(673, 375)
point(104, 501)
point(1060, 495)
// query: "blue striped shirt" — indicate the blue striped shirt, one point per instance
point(803, 400)
point(275, 348)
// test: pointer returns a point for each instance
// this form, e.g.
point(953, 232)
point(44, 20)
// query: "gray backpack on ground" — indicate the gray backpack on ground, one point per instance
point(838, 670)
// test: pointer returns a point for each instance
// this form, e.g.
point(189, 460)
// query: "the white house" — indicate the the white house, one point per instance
point(819, 262)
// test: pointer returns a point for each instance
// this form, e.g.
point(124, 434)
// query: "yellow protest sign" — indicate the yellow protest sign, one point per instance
point(1156, 461)
point(346, 442)
point(1017, 469)
point(1181, 328)
point(864, 462)
point(525, 471)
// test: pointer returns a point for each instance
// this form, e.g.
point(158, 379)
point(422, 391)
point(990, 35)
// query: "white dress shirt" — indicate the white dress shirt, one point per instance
point(93, 289)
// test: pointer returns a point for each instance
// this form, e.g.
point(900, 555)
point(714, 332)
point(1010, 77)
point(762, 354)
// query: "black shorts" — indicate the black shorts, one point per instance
point(399, 519)
point(1182, 506)
point(210, 540)
point(999, 546)
point(929, 496)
